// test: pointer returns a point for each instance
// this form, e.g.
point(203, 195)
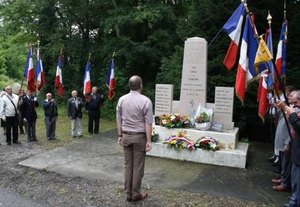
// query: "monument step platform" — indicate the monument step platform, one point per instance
point(227, 139)
point(231, 158)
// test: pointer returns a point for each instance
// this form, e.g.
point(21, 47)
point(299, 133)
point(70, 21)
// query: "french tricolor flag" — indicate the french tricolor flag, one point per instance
point(233, 28)
point(87, 86)
point(263, 102)
point(110, 79)
point(29, 72)
point(281, 50)
point(58, 83)
point(39, 71)
point(246, 70)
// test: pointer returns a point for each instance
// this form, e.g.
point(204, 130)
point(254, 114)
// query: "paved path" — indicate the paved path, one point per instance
point(11, 199)
point(102, 158)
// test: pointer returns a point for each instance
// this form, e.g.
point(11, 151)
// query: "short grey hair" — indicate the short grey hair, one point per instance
point(135, 83)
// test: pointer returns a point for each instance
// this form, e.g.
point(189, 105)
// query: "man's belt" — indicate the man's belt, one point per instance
point(133, 133)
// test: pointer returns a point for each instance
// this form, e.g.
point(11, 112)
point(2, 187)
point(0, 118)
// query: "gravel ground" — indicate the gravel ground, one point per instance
point(62, 191)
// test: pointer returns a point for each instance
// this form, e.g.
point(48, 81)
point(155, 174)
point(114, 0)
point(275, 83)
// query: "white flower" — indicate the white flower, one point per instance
point(164, 121)
point(172, 118)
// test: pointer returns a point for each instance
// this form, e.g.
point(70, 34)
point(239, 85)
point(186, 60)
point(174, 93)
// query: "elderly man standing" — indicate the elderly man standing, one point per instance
point(93, 105)
point(28, 105)
point(134, 121)
point(75, 114)
point(10, 115)
point(50, 110)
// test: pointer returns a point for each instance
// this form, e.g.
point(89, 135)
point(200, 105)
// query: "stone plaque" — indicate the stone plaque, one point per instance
point(194, 77)
point(175, 107)
point(224, 97)
point(163, 99)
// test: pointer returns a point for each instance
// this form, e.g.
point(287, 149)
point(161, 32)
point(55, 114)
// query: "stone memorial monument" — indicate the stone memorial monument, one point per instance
point(193, 81)
point(193, 92)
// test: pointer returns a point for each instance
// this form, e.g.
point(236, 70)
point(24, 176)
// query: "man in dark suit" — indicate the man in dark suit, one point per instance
point(93, 105)
point(75, 114)
point(51, 113)
point(29, 115)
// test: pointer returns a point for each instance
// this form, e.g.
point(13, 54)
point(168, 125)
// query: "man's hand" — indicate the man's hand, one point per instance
point(4, 118)
point(120, 140)
point(148, 146)
point(286, 149)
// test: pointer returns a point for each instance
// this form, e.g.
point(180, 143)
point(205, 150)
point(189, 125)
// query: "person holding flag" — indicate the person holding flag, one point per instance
point(93, 105)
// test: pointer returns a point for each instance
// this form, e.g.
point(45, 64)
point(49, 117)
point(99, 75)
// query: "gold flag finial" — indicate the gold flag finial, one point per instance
point(269, 17)
point(90, 55)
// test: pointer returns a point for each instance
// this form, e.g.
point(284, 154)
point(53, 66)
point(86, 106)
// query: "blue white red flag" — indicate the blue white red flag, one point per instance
point(29, 72)
point(233, 28)
point(246, 70)
point(58, 83)
point(271, 76)
point(39, 71)
point(87, 86)
point(281, 50)
point(110, 79)
point(263, 102)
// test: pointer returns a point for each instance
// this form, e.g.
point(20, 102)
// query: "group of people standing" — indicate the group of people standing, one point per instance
point(287, 146)
point(16, 110)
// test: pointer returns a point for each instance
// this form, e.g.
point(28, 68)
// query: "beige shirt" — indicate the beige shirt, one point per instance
point(8, 108)
point(133, 111)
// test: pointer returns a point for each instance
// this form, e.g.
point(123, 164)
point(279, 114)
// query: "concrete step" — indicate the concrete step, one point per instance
point(232, 158)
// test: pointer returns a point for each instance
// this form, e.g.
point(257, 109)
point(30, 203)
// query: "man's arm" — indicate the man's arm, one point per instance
point(119, 125)
point(148, 134)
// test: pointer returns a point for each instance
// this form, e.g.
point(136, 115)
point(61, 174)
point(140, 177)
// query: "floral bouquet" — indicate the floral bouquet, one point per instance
point(174, 121)
point(180, 141)
point(203, 118)
point(207, 143)
point(154, 136)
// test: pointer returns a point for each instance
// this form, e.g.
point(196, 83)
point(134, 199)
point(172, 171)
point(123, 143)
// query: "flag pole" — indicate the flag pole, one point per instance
point(269, 18)
point(38, 59)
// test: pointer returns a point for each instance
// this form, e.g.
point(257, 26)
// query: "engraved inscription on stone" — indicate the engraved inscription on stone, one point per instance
point(163, 99)
point(224, 97)
point(194, 78)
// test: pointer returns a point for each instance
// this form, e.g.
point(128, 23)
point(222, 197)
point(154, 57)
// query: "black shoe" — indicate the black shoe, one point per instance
point(35, 140)
point(8, 143)
point(17, 142)
point(73, 136)
point(90, 133)
point(29, 140)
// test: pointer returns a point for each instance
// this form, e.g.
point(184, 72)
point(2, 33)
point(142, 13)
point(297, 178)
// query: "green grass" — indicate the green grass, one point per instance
point(63, 129)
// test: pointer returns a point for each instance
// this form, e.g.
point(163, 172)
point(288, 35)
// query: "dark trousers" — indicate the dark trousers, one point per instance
point(286, 167)
point(134, 154)
point(30, 129)
point(94, 121)
point(12, 125)
point(50, 123)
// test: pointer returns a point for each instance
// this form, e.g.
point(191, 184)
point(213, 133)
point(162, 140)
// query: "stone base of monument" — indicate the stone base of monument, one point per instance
point(231, 154)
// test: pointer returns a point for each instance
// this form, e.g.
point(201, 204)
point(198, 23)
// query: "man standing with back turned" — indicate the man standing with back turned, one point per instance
point(134, 121)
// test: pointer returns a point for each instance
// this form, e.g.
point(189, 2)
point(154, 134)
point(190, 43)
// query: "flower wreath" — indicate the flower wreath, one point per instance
point(180, 141)
point(207, 143)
